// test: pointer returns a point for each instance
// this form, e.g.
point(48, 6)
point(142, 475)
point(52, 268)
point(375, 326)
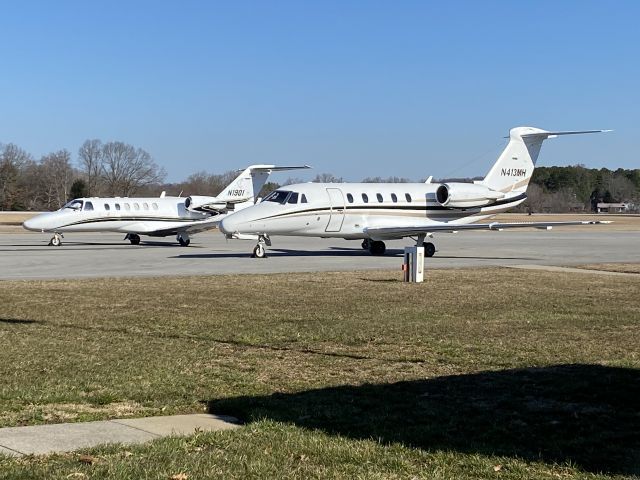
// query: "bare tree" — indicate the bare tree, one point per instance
point(59, 175)
point(204, 183)
point(12, 160)
point(33, 185)
point(386, 180)
point(621, 189)
point(125, 169)
point(327, 178)
point(90, 159)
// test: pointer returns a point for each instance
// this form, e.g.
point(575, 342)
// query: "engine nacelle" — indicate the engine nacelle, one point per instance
point(465, 195)
point(198, 203)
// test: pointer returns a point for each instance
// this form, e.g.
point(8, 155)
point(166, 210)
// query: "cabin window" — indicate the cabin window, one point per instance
point(365, 198)
point(145, 205)
point(154, 205)
point(136, 206)
point(394, 198)
point(117, 206)
point(107, 207)
point(379, 197)
point(303, 199)
point(293, 198)
point(88, 206)
point(408, 197)
point(127, 207)
point(349, 198)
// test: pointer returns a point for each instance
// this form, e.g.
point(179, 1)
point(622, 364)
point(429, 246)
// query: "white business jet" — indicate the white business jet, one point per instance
point(375, 212)
point(156, 216)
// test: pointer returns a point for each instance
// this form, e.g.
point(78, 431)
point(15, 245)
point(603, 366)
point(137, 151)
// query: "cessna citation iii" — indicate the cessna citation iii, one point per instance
point(375, 212)
point(157, 216)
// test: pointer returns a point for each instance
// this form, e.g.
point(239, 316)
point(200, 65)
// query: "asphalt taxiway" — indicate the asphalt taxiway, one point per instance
point(26, 255)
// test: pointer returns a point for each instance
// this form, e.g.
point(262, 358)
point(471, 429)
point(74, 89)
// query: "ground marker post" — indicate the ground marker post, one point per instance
point(413, 266)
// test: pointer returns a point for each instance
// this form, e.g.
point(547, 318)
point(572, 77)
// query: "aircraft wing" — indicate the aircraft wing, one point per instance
point(409, 231)
point(173, 228)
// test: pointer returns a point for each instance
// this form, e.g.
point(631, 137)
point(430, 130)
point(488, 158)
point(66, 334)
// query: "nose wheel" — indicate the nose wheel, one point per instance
point(260, 250)
point(56, 240)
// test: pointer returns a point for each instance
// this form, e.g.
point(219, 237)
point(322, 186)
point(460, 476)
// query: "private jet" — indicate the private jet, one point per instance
point(375, 212)
point(157, 216)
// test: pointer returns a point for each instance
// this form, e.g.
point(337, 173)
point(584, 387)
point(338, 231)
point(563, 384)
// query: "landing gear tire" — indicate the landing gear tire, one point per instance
point(55, 240)
point(365, 244)
point(429, 249)
point(134, 238)
point(377, 247)
point(259, 251)
point(183, 239)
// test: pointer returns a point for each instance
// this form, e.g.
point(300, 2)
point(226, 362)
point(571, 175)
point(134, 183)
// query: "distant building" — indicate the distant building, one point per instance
point(613, 207)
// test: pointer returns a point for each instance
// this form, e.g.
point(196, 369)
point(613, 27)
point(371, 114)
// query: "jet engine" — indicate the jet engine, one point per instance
point(198, 203)
point(465, 195)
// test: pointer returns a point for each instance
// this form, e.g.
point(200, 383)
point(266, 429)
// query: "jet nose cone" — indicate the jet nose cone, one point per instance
point(227, 225)
point(31, 224)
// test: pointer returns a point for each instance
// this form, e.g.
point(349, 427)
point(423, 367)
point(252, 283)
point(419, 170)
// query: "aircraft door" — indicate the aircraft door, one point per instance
point(336, 218)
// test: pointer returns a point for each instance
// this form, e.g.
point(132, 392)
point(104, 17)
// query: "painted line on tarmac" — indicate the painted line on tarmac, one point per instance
point(552, 268)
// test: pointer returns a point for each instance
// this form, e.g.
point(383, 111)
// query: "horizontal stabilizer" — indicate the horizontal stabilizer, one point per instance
point(555, 134)
point(275, 168)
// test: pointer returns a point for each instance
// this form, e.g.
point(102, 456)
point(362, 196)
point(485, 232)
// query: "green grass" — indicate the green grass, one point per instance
point(337, 375)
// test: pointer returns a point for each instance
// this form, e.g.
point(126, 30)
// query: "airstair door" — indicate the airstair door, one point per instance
point(336, 199)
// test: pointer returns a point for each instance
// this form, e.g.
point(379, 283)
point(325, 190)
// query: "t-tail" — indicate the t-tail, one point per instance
point(248, 184)
point(238, 194)
point(514, 168)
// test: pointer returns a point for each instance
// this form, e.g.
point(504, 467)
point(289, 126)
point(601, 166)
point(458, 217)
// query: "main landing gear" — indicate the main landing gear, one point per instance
point(134, 238)
point(377, 247)
point(56, 240)
point(183, 239)
point(429, 249)
point(260, 250)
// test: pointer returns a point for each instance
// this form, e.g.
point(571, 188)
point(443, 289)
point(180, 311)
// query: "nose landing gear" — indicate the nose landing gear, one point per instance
point(260, 251)
point(56, 240)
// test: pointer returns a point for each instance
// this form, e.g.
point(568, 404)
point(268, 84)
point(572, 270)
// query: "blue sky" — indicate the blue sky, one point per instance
point(353, 88)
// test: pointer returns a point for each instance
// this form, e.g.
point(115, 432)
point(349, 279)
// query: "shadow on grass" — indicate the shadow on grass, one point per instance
point(587, 415)
point(18, 321)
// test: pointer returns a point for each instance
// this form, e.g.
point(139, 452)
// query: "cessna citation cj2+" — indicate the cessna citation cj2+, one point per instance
point(157, 216)
point(375, 212)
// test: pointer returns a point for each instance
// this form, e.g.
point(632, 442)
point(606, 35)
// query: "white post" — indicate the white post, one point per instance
point(413, 266)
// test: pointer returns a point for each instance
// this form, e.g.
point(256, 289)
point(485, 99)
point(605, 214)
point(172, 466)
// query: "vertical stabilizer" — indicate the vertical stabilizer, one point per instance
point(248, 184)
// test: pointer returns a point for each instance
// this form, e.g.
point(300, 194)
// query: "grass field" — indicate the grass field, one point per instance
point(484, 373)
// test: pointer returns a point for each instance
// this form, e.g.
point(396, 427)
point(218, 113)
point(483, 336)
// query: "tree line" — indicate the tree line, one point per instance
point(101, 169)
point(119, 169)
point(577, 188)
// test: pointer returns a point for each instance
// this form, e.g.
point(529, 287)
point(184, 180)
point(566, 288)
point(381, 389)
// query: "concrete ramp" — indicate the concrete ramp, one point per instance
point(66, 437)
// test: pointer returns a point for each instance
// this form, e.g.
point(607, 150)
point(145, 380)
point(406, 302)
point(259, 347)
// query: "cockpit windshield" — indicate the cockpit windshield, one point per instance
point(74, 205)
point(278, 196)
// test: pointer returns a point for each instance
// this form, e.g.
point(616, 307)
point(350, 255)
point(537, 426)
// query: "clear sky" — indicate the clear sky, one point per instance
point(354, 88)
